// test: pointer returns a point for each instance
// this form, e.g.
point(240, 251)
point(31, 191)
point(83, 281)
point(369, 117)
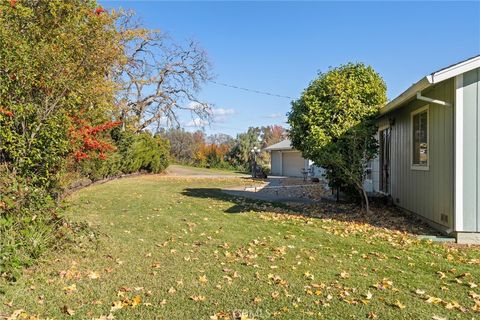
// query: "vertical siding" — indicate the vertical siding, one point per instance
point(428, 193)
point(471, 161)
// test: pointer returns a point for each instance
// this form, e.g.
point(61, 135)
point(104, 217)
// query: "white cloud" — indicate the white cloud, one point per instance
point(275, 116)
point(196, 106)
point(222, 112)
point(216, 115)
point(197, 122)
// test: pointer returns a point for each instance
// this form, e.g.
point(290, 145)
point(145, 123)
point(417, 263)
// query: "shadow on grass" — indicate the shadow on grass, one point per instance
point(241, 204)
point(381, 215)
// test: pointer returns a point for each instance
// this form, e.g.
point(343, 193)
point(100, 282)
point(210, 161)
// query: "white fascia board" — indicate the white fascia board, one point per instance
point(455, 70)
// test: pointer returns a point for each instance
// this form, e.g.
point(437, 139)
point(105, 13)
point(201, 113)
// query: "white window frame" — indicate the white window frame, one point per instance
point(412, 114)
point(380, 129)
point(369, 167)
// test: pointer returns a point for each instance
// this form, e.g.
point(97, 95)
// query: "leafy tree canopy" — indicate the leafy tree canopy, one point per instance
point(332, 122)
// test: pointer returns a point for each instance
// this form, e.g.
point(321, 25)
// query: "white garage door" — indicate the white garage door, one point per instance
point(292, 164)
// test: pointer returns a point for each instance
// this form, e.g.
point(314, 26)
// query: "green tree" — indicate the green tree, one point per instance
point(55, 58)
point(333, 123)
point(56, 62)
point(240, 153)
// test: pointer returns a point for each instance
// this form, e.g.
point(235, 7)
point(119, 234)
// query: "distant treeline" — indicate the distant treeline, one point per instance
point(221, 150)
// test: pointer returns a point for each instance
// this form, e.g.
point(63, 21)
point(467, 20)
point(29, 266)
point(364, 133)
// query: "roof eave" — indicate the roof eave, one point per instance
point(278, 149)
point(429, 80)
point(408, 94)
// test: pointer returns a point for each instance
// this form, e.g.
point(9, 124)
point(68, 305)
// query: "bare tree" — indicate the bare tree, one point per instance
point(159, 77)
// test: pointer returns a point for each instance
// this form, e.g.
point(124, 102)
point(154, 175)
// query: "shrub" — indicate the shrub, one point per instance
point(146, 153)
point(55, 58)
point(28, 221)
point(134, 153)
point(39, 159)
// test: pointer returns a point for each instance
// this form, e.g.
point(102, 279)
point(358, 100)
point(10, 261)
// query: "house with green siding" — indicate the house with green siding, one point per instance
point(429, 156)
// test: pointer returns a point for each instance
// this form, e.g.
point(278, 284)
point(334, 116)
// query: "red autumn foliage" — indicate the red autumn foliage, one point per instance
point(88, 139)
point(99, 10)
point(6, 112)
point(79, 155)
point(13, 3)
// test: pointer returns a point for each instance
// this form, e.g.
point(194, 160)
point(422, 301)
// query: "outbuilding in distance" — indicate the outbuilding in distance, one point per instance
point(289, 162)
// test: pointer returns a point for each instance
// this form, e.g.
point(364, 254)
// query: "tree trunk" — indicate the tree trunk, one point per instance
point(364, 196)
point(367, 203)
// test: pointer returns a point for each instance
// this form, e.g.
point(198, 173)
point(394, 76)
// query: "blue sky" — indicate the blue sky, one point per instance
point(279, 47)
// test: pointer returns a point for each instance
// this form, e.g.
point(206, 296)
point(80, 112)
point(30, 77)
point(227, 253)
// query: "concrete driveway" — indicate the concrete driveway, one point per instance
point(282, 189)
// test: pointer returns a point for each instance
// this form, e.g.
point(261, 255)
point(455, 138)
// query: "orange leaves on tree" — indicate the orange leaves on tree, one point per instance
point(99, 10)
point(89, 140)
point(211, 154)
point(6, 112)
point(13, 3)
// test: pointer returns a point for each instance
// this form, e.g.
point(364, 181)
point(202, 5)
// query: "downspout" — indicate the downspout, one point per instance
point(436, 101)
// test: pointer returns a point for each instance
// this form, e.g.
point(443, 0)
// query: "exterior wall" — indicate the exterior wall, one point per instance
point(276, 163)
point(293, 163)
point(429, 193)
point(469, 85)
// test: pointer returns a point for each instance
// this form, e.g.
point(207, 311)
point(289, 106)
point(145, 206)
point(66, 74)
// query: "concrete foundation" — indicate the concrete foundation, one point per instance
point(468, 237)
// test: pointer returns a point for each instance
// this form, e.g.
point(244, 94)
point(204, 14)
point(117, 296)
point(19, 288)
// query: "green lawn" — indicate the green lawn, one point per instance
point(204, 171)
point(176, 248)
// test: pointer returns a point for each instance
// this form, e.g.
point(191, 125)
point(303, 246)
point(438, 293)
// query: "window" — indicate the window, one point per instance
point(368, 171)
point(420, 139)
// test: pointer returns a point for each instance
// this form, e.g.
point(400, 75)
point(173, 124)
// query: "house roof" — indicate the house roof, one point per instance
point(282, 145)
point(431, 79)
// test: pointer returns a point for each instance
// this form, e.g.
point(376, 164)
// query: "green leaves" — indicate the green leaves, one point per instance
point(333, 122)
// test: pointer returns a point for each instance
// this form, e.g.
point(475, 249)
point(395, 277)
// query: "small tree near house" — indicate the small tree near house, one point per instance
point(333, 123)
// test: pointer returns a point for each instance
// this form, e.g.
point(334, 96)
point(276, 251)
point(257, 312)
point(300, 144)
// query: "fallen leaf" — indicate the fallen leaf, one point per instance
point(116, 305)
point(474, 295)
point(18, 313)
point(198, 298)
point(433, 300)
point(68, 311)
point(368, 295)
point(137, 300)
point(399, 305)
point(203, 279)
point(372, 315)
point(70, 289)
